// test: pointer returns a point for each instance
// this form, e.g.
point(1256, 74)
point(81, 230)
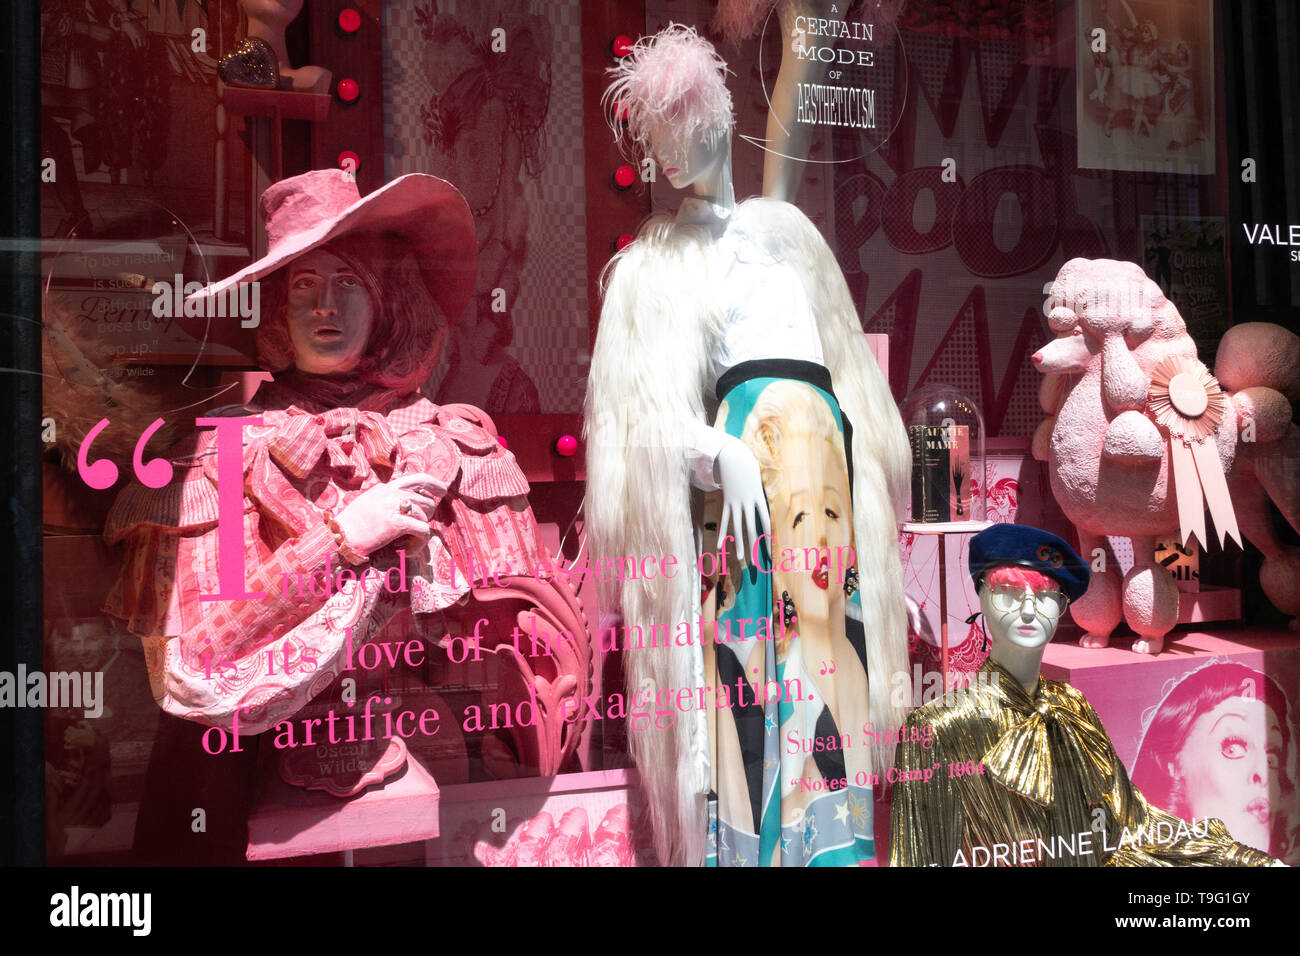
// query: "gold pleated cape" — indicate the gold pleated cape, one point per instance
point(1052, 791)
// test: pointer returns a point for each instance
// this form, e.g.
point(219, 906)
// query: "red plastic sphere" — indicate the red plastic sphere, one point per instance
point(622, 45)
point(624, 176)
point(349, 90)
point(566, 445)
point(349, 20)
point(622, 241)
point(349, 161)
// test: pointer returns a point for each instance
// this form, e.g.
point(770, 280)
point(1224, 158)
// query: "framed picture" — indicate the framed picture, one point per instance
point(1145, 90)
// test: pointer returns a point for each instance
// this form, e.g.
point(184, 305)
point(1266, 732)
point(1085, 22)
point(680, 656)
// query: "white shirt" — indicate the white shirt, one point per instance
point(766, 315)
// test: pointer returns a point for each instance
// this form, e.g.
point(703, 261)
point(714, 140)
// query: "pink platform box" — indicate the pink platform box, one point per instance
point(289, 821)
point(1245, 683)
point(469, 811)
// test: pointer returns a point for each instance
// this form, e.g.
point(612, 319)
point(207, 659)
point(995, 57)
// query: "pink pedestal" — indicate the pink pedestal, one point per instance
point(289, 821)
point(1161, 740)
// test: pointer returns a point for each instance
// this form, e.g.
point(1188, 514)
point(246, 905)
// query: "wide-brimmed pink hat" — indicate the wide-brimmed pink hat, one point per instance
point(426, 214)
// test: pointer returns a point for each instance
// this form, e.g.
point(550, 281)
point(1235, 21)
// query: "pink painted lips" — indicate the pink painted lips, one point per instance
point(1258, 808)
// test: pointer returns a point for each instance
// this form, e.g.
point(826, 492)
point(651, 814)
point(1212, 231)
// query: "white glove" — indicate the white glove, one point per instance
point(375, 517)
point(742, 498)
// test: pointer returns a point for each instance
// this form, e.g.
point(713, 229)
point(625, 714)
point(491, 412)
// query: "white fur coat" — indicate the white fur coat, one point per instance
point(649, 373)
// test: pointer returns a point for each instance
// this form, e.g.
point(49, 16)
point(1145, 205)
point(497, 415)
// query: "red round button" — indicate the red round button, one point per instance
point(624, 176)
point(622, 45)
point(623, 241)
point(349, 161)
point(349, 89)
point(349, 20)
point(566, 445)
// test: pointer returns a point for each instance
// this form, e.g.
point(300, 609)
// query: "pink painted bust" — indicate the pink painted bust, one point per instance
point(1141, 439)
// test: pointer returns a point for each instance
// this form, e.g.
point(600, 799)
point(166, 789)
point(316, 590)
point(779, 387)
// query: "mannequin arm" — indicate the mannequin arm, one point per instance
point(703, 445)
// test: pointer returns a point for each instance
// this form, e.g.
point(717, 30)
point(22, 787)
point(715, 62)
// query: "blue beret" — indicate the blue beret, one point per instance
point(1027, 547)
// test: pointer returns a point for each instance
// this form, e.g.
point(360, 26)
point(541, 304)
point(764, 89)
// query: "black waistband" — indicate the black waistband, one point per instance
point(796, 369)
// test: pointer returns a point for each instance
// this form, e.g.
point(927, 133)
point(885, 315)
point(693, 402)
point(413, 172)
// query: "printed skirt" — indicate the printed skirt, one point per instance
point(787, 665)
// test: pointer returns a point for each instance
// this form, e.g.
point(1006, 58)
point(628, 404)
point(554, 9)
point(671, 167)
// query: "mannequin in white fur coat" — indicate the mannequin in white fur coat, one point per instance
point(665, 333)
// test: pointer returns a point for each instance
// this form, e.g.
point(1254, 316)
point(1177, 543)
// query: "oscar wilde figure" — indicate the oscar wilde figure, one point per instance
point(350, 467)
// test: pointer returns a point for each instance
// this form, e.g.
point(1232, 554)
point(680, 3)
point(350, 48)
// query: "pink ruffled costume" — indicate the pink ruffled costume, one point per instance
point(206, 659)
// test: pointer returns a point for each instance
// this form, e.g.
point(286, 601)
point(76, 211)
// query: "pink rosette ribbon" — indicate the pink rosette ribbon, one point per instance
point(1188, 401)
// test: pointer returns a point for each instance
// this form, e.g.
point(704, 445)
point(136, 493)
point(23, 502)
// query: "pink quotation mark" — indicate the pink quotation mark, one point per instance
point(102, 474)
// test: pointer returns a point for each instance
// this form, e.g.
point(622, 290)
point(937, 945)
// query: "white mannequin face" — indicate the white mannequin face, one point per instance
point(686, 160)
point(1026, 625)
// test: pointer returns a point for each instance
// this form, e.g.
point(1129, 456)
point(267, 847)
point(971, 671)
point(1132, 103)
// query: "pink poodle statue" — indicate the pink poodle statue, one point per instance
point(1141, 440)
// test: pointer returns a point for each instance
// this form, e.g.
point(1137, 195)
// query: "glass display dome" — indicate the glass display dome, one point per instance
point(946, 432)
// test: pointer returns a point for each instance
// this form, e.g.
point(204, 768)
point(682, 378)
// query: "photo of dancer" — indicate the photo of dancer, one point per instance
point(1146, 89)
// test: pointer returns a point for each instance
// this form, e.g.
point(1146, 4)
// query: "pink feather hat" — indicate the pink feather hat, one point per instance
point(427, 215)
point(674, 77)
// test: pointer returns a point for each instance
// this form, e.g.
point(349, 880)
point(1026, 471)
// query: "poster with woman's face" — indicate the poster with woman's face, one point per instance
point(1220, 742)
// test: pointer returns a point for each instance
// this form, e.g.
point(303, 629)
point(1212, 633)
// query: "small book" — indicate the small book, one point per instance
point(940, 473)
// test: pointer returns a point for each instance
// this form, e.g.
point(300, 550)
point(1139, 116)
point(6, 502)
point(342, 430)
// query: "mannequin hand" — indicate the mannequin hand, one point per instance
point(375, 517)
point(742, 498)
point(915, 623)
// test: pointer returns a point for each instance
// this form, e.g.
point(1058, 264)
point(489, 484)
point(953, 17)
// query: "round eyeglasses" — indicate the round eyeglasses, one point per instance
point(1049, 604)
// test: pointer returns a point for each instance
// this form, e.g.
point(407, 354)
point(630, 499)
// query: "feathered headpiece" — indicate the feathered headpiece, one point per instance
point(675, 78)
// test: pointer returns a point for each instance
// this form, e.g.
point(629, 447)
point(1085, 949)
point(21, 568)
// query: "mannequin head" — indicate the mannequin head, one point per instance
point(686, 160)
point(1021, 607)
point(329, 314)
point(669, 99)
point(359, 306)
point(1025, 578)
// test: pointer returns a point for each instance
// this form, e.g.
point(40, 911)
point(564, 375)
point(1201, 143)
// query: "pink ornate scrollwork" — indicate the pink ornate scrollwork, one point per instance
point(551, 666)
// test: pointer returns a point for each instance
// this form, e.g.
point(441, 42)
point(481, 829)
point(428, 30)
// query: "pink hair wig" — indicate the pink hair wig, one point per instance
point(674, 77)
point(1012, 576)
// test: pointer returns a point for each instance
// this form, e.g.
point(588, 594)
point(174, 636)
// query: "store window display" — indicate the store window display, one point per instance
point(738, 691)
point(1017, 770)
point(744, 301)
